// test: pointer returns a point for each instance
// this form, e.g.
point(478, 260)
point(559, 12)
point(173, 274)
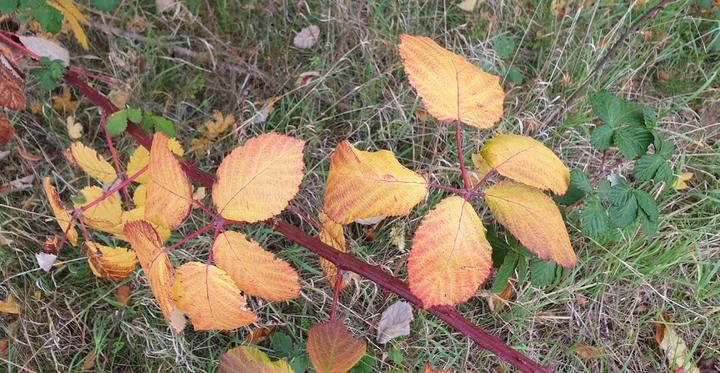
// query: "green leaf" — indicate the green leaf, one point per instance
point(649, 226)
point(652, 167)
point(49, 73)
point(505, 271)
point(614, 111)
point(105, 5)
point(649, 117)
point(594, 221)
point(282, 344)
point(514, 75)
point(522, 269)
point(619, 194)
point(625, 214)
point(647, 205)
point(164, 125)
point(603, 188)
point(579, 186)
point(500, 247)
point(504, 47)
point(8, 6)
point(601, 137)
point(542, 272)
point(365, 365)
point(632, 141)
point(664, 148)
point(396, 356)
point(49, 18)
point(134, 115)
point(116, 123)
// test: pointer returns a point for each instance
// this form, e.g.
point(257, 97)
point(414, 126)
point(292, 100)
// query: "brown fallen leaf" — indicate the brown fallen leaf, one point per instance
point(122, 294)
point(21, 183)
point(675, 349)
point(27, 155)
point(497, 302)
point(65, 102)
point(587, 351)
point(307, 77)
point(6, 131)
point(89, 362)
point(258, 335)
point(3, 346)
point(394, 322)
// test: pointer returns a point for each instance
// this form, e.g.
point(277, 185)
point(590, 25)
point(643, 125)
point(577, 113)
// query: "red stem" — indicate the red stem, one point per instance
point(189, 237)
point(344, 261)
point(461, 157)
point(112, 191)
point(336, 294)
point(115, 157)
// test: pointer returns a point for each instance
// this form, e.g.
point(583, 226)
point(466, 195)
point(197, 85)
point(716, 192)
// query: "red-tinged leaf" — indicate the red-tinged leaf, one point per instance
point(248, 359)
point(332, 348)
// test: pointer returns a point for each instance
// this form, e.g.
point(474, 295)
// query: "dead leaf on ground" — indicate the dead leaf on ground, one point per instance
point(122, 294)
point(307, 77)
point(587, 351)
point(258, 335)
point(307, 37)
point(163, 5)
point(497, 302)
point(119, 97)
point(89, 362)
point(27, 155)
point(6, 131)
point(3, 346)
point(74, 129)
point(46, 48)
point(468, 5)
point(9, 306)
point(21, 183)
point(394, 322)
point(674, 347)
point(45, 261)
point(65, 101)
point(681, 182)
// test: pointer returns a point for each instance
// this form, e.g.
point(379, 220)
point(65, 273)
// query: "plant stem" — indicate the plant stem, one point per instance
point(115, 157)
point(461, 157)
point(345, 261)
point(189, 237)
point(112, 191)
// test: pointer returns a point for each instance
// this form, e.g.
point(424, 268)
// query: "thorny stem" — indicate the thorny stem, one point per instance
point(115, 157)
point(345, 261)
point(113, 190)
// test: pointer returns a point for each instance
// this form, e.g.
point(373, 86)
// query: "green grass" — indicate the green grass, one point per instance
point(611, 299)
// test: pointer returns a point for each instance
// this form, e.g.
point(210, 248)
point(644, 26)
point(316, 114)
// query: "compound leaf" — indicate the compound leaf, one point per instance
point(169, 193)
point(450, 257)
point(257, 180)
point(90, 162)
point(255, 270)
point(533, 218)
point(332, 348)
point(615, 111)
point(528, 161)
point(622, 215)
point(363, 185)
point(601, 137)
point(632, 141)
point(451, 88)
point(594, 220)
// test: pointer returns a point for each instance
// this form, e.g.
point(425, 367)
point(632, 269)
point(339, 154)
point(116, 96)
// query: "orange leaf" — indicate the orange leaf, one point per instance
point(141, 157)
point(526, 160)
point(156, 265)
point(363, 185)
point(248, 359)
point(209, 296)
point(106, 215)
point(90, 162)
point(587, 351)
point(169, 194)
point(9, 306)
point(12, 82)
point(451, 88)
point(259, 334)
point(332, 234)
point(257, 180)
point(114, 263)
point(62, 216)
point(6, 131)
point(533, 218)
point(332, 348)
point(136, 214)
point(450, 257)
point(255, 271)
point(429, 369)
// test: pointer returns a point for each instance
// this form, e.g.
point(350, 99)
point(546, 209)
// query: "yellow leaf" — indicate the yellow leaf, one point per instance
point(332, 234)
point(675, 349)
point(363, 185)
point(90, 162)
point(257, 180)
point(587, 351)
point(64, 102)
point(9, 306)
point(681, 182)
point(72, 17)
point(209, 296)
point(533, 218)
point(450, 257)
point(61, 215)
point(332, 348)
point(248, 359)
point(451, 88)
point(526, 160)
point(141, 156)
point(114, 263)
point(104, 216)
point(169, 193)
point(482, 168)
point(136, 214)
point(156, 265)
point(140, 195)
point(255, 271)
point(74, 129)
point(221, 123)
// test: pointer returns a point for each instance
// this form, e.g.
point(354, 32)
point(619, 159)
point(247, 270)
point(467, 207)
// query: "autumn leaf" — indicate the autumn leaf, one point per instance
point(675, 349)
point(137, 214)
point(332, 234)
point(259, 334)
point(248, 359)
point(90, 162)
point(450, 257)
point(429, 369)
point(587, 351)
point(213, 128)
point(363, 185)
point(210, 297)
point(681, 182)
point(156, 265)
point(105, 215)
point(74, 129)
point(332, 348)
point(64, 102)
point(73, 18)
point(9, 305)
point(394, 322)
point(526, 160)
point(139, 196)
point(169, 193)
point(533, 218)
point(6, 131)
point(141, 157)
point(113, 263)
point(255, 270)
point(61, 215)
point(451, 88)
point(257, 180)
point(12, 82)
